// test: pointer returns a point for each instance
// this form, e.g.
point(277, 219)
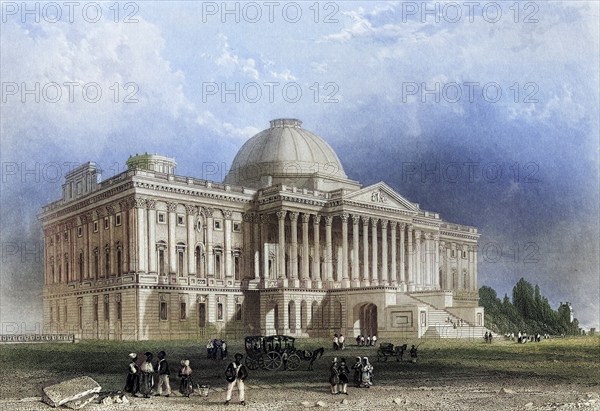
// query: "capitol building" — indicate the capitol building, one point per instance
point(286, 244)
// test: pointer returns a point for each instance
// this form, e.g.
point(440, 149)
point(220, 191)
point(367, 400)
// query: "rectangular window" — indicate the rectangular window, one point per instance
point(238, 312)
point(218, 266)
point(79, 231)
point(217, 225)
point(219, 311)
point(51, 241)
point(237, 226)
point(202, 315)
point(96, 226)
point(182, 311)
point(119, 310)
point(118, 219)
point(236, 267)
point(180, 220)
point(96, 311)
point(66, 236)
point(106, 223)
point(65, 316)
point(80, 317)
point(464, 254)
point(161, 262)
point(57, 313)
point(180, 262)
point(51, 314)
point(106, 310)
point(161, 217)
point(163, 311)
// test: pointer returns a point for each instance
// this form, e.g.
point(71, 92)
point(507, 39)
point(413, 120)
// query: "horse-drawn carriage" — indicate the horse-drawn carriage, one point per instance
point(389, 350)
point(274, 351)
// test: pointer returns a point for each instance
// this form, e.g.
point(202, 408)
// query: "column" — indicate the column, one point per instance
point(281, 252)
point(345, 280)
point(328, 252)
point(374, 256)
point(410, 259)
point(394, 268)
point(294, 251)
point(227, 243)
point(90, 249)
point(125, 236)
point(436, 262)
point(142, 257)
point(256, 245)
point(365, 280)
point(428, 257)
point(101, 245)
point(151, 207)
point(131, 228)
point(264, 222)
point(111, 240)
point(171, 246)
point(384, 254)
point(210, 262)
point(474, 267)
point(459, 262)
point(317, 251)
point(443, 266)
point(306, 282)
point(355, 250)
point(191, 239)
point(417, 255)
point(402, 275)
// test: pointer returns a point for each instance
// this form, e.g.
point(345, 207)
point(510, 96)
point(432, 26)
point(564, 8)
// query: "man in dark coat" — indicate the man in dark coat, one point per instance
point(164, 387)
point(235, 374)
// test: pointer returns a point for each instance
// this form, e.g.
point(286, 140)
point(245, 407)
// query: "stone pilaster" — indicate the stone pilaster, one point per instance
point(355, 281)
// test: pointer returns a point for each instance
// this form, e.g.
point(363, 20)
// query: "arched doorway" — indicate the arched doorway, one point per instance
point(365, 319)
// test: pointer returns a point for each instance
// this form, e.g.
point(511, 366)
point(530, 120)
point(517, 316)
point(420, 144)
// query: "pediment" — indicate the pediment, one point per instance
point(381, 194)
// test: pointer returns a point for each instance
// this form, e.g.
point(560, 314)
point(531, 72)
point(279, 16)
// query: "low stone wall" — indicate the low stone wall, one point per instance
point(37, 338)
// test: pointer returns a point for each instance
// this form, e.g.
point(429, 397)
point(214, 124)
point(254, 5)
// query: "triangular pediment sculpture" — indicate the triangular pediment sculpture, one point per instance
point(383, 195)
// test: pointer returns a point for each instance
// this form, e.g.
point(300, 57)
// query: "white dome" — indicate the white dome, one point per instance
point(286, 153)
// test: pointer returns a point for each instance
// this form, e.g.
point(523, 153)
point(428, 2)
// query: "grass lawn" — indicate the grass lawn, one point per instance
point(27, 367)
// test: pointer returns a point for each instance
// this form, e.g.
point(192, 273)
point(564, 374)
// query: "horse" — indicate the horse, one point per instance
point(400, 351)
point(312, 356)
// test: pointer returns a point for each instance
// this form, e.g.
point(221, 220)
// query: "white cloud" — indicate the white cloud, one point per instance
point(234, 62)
point(224, 128)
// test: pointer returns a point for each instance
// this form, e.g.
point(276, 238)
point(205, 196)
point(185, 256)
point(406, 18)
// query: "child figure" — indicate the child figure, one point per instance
point(186, 385)
point(147, 376)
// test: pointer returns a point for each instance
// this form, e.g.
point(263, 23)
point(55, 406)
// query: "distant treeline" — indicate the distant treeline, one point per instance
point(529, 311)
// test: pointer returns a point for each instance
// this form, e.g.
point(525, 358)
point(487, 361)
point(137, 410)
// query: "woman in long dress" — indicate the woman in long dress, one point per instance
point(132, 383)
point(367, 373)
point(334, 376)
point(186, 386)
point(147, 376)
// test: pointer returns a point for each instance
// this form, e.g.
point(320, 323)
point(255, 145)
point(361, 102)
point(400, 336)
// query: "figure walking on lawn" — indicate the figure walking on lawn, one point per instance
point(132, 383)
point(344, 371)
point(334, 376)
point(235, 374)
point(186, 385)
point(357, 367)
point(164, 387)
point(366, 373)
point(147, 376)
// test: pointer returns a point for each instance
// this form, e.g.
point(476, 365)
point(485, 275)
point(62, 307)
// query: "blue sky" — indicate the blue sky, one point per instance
point(488, 115)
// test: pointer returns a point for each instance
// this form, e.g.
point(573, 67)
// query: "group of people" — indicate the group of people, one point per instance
point(488, 337)
point(523, 337)
point(339, 374)
point(363, 341)
point(216, 348)
point(152, 378)
point(339, 342)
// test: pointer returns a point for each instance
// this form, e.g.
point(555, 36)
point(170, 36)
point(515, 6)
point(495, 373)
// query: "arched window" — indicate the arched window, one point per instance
point(199, 256)
point(107, 270)
point(218, 255)
point(237, 264)
point(119, 259)
point(161, 249)
point(67, 273)
point(96, 263)
point(181, 259)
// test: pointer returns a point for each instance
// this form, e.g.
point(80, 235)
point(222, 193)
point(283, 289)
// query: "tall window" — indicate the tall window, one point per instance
point(119, 260)
point(106, 308)
point(67, 266)
point(96, 309)
point(162, 263)
point(199, 261)
point(182, 311)
point(80, 265)
point(96, 263)
point(238, 312)
point(80, 317)
point(107, 261)
point(236, 267)
point(119, 310)
point(218, 265)
point(202, 315)
point(180, 259)
point(220, 311)
point(163, 311)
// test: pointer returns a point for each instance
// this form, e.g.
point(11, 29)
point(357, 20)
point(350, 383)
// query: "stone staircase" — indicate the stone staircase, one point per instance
point(441, 324)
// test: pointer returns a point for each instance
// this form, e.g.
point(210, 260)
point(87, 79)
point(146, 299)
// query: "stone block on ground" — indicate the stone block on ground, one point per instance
point(81, 402)
point(58, 394)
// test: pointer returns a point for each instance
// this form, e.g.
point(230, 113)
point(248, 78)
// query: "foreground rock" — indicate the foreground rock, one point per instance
point(70, 391)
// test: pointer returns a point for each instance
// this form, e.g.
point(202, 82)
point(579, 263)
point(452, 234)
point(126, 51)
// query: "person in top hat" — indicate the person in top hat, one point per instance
point(236, 374)
point(132, 383)
point(334, 376)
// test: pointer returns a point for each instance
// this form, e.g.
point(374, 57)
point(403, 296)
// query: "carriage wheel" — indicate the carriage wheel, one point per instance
point(261, 362)
point(251, 363)
point(293, 362)
point(273, 361)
